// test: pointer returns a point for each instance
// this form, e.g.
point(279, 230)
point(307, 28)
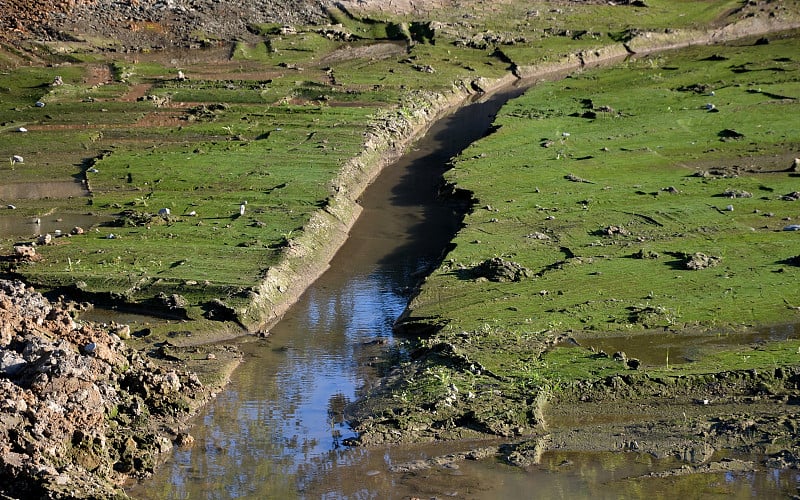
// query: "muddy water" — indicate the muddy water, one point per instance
point(685, 347)
point(55, 223)
point(41, 190)
point(277, 430)
point(16, 226)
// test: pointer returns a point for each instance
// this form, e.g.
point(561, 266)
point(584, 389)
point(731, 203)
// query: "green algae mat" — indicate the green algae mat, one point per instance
point(660, 193)
point(651, 205)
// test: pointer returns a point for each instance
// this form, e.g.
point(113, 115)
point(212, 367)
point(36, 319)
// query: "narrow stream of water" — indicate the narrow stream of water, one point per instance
point(277, 430)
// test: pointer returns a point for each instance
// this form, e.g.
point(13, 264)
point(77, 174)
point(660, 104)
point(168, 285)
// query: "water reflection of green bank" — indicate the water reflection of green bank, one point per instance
point(598, 475)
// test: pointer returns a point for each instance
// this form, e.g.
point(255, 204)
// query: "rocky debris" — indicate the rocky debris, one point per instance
point(489, 39)
point(158, 101)
point(613, 231)
point(793, 196)
point(164, 22)
point(80, 411)
point(648, 316)
point(700, 260)
point(500, 270)
point(205, 112)
point(736, 193)
point(538, 236)
point(133, 218)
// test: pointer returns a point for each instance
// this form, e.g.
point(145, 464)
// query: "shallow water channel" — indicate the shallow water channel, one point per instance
point(277, 430)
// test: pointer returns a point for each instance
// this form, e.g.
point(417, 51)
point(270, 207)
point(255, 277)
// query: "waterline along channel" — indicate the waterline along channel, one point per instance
point(277, 430)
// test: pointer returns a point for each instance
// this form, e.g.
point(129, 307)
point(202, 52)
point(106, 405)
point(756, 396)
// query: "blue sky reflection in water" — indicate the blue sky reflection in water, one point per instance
point(284, 408)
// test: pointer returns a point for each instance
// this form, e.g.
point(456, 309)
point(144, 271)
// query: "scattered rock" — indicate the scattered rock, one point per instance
point(79, 410)
point(736, 193)
point(25, 251)
point(700, 260)
point(793, 196)
point(614, 231)
point(729, 135)
point(499, 270)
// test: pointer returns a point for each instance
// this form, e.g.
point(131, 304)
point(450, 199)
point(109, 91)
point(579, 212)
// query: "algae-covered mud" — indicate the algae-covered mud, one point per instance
point(208, 177)
point(230, 173)
point(650, 205)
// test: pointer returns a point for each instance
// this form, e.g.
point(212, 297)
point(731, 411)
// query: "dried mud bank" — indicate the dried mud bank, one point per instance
point(81, 411)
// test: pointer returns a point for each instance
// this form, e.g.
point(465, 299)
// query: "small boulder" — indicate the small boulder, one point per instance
point(25, 251)
point(700, 260)
point(499, 270)
point(11, 363)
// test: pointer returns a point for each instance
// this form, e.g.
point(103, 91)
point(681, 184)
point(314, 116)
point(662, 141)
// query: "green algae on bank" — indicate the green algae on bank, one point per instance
point(645, 199)
point(207, 197)
point(604, 186)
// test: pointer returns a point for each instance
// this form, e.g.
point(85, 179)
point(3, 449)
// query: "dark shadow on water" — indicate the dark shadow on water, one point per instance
point(420, 186)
